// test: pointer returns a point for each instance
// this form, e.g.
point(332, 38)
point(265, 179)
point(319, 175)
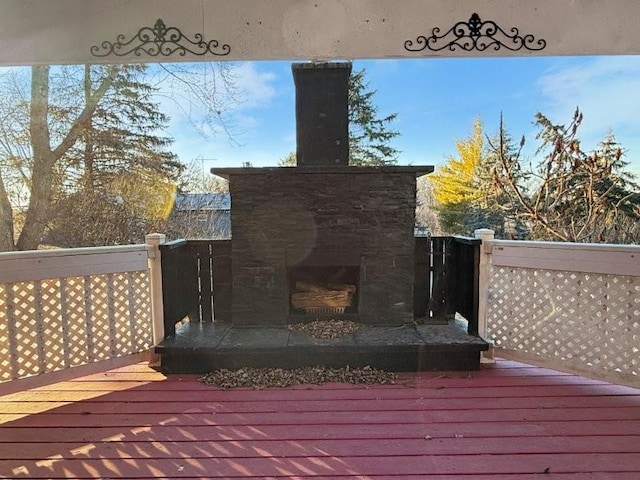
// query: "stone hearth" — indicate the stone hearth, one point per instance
point(202, 348)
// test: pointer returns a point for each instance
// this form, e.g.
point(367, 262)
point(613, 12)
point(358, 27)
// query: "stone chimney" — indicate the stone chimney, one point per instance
point(322, 113)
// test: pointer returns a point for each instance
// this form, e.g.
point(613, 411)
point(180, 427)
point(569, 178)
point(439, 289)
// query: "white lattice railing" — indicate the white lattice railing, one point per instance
point(70, 307)
point(573, 305)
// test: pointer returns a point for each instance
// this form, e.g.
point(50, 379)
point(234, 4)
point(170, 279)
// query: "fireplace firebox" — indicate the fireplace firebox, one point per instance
point(321, 291)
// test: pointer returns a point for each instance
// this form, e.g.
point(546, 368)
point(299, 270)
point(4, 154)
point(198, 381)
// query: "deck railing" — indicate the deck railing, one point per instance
point(573, 306)
point(463, 293)
point(446, 279)
point(190, 269)
point(70, 307)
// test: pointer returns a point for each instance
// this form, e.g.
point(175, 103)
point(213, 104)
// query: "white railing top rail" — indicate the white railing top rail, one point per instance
point(60, 263)
point(63, 252)
point(564, 256)
point(566, 245)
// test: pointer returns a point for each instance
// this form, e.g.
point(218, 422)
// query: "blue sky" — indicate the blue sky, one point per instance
point(437, 101)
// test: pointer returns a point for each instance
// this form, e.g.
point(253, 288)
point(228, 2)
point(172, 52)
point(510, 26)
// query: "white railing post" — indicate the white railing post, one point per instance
point(154, 240)
point(487, 236)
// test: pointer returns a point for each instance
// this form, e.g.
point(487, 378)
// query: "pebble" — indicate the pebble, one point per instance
point(326, 329)
point(259, 378)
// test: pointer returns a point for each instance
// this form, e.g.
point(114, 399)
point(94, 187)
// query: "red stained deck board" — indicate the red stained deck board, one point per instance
point(400, 415)
point(533, 476)
point(141, 394)
point(168, 432)
point(625, 405)
point(440, 411)
point(378, 447)
point(506, 421)
point(481, 381)
point(321, 467)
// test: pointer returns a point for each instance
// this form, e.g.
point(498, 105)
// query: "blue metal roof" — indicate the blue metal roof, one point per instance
point(202, 201)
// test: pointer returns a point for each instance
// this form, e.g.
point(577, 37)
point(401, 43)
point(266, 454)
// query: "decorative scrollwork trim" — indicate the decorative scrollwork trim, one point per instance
point(159, 40)
point(475, 35)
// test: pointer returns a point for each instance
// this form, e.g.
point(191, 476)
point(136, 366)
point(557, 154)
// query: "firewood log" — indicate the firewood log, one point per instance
point(343, 286)
point(308, 287)
point(321, 299)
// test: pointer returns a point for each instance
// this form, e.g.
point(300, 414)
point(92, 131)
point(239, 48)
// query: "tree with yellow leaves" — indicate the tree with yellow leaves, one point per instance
point(463, 188)
point(456, 185)
point(456, 181)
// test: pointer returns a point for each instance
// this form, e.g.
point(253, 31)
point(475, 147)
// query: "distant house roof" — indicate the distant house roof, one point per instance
point(202, 201)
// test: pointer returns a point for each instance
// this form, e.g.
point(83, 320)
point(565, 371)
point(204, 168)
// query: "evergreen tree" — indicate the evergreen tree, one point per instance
point(123, 133)
point(495, 209)
point(369, 134)
point(125, 169)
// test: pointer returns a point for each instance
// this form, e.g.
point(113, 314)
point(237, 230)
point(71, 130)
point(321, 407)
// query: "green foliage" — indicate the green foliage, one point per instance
point(123, 165)
point(453, 217)
point(463, 187)
point(569, 195)
point(370, 135)
point(123, 134)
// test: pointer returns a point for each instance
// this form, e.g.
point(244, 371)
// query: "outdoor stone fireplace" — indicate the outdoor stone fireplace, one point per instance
point(322, 239)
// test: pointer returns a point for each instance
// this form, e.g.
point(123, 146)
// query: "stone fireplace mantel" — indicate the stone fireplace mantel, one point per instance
point(352, 170)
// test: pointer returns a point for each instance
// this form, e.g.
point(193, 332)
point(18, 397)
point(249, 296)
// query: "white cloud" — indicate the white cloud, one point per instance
point(606, 90)
point(255, 89)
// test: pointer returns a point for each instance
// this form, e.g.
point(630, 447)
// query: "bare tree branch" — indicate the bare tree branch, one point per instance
point(579, 197)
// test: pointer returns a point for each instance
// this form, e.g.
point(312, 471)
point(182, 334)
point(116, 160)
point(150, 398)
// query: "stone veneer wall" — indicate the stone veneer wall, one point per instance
point(290, 218)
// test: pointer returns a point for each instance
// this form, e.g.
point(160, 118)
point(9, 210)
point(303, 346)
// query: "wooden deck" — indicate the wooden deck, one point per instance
point(506, 421)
